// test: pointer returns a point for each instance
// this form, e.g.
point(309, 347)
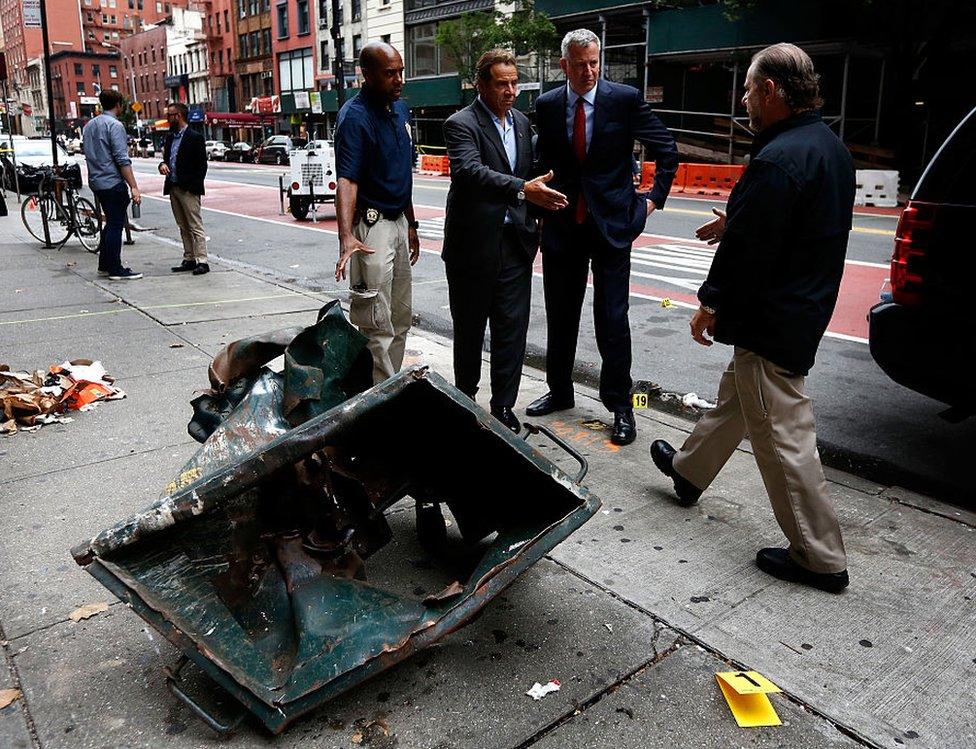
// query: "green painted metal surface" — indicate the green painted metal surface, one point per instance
point(258, 562)
point(442, 91)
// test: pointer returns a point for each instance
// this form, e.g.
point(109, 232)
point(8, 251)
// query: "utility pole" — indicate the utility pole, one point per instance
point(47, 82)
point(338, 64)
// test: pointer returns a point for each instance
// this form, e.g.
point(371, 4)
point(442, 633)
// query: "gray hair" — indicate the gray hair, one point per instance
point(579, 38)
point(791, 69)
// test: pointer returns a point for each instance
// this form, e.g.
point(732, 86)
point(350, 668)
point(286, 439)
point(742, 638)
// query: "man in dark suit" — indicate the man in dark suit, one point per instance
point(490, 240)
point(587, 129)
point(185, 166)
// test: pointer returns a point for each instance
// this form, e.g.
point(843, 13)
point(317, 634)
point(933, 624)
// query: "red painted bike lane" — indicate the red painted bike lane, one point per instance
point(859, 290)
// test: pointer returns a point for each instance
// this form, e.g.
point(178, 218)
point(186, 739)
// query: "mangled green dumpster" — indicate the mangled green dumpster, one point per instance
point(268, 561)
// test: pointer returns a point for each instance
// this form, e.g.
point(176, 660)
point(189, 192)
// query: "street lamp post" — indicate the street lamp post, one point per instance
point(45, 40)
point(337, 62)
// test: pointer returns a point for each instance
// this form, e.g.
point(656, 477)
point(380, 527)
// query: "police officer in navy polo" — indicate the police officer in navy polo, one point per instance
point(378, 239)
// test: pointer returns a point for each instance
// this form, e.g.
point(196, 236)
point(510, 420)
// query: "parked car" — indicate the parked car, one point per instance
point(241, 152)
point(922, 336)
point(216, 150)
point(275, 149)
point(32, 153)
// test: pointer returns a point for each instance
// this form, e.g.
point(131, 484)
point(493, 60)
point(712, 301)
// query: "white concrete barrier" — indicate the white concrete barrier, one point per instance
point(876, 187)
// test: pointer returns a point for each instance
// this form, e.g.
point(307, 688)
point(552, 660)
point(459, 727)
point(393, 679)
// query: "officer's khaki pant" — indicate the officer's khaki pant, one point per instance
point(186, 211)
point(380, 303)
point(758, 398)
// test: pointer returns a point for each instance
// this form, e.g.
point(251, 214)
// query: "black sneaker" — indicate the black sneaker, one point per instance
point(663, 456)
point(779, 563)
point(185, 266)
point(103, 273)
point(201, 269)
point(126, 274)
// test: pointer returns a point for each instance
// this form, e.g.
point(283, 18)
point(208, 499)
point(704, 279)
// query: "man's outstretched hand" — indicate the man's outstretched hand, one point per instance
point(349, 247)
point(538, 194)
point(712, 231)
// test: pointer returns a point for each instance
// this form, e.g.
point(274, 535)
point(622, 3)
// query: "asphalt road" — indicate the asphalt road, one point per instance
point(866, 423)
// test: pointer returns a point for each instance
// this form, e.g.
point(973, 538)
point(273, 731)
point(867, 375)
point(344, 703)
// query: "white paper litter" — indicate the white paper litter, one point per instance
point(692, 399)
point(93, 372)
point(539, 691)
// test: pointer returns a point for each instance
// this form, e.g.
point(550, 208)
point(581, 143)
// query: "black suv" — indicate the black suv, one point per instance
point(923, 337)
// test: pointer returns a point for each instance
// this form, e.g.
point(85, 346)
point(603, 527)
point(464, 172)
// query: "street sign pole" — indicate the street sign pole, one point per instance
point(338, 63)
point(47, 83)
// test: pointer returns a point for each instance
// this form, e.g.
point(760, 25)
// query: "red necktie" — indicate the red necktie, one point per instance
point(579, 148)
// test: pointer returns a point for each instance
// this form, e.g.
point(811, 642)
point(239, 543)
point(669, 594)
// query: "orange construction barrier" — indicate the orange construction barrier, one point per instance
point(710, 179)
point(434, 165)
point(647, 175)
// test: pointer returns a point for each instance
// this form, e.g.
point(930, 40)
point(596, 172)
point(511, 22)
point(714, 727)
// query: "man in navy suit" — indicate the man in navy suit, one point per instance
point(587, 130)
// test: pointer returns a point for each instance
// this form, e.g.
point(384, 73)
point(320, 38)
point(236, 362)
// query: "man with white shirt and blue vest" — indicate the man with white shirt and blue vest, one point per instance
point(490, 237)
point(587, 130)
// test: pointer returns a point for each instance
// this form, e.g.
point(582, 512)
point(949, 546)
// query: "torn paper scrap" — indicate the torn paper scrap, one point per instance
point(87, 611)
point(539, 691)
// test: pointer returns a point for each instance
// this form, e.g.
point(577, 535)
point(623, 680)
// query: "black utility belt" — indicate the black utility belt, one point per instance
point(371, 215)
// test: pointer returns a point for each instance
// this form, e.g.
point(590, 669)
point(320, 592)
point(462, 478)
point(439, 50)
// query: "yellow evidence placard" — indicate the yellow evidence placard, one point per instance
point(745, 692)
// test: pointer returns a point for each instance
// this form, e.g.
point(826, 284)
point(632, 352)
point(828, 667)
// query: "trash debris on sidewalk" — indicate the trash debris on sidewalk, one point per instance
point(87, 611)
point(746, 691)
point(374, 734)
point(270, 560)
point(8, 696)
point(538, 691)
point(29, 400)
point(666, 303)
point(691, 400)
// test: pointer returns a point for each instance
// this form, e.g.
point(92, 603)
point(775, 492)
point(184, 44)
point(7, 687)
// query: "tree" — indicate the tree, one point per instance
point(465, 39)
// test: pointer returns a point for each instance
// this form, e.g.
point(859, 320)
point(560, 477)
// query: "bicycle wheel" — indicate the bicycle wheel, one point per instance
point(38, 211)
point(88, 223)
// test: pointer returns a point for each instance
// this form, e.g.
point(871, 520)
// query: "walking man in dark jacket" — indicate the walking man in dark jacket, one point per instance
point(770, 293)
point(185, 166)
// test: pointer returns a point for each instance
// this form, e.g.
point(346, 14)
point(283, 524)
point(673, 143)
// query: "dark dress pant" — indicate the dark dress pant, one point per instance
point(499, 300)
point(113, 202)
point(570, 253)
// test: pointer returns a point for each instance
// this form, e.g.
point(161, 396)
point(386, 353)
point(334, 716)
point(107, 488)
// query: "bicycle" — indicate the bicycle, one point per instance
point(56, 211)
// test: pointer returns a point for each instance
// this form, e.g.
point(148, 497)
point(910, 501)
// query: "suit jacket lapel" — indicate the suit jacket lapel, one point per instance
point(488, 125)
point(523, 146)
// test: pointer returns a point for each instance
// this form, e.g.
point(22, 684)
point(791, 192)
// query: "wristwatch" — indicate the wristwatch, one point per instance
point(707, 310)
point(413, 224)
point(520, 196)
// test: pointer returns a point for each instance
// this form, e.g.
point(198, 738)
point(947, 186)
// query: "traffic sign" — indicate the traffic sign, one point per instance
point(31, 11)
point(136, 107)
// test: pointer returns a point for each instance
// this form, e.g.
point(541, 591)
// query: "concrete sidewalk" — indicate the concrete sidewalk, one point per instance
point(634, 613)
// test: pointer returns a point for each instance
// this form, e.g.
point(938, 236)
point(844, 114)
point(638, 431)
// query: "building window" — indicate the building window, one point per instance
point(323, 55)
point(115, 34)
point(81, 87)
point(424, 57)
point(282, 20)
point(218, 22)
point(113, 71)
point(303, 25)
point(254, 7)
point(242, 45)
point(113, 19)
point(79, 69)
point(104, 18)
point(256, 43)
point(226, 20)
point(357, 45)
point(90, 16)
point(96, 71)
point(159, 7)
point(295, 71)
point(385, 38)
point(323, 13)
point(242, 8)
point(266, 41)
point(357, 10)
point(341, 13)
point(115, 86)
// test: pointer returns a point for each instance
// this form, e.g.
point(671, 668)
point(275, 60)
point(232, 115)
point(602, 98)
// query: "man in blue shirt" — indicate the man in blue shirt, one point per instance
point(377, 229)
point(490, 235)
point(109, 171)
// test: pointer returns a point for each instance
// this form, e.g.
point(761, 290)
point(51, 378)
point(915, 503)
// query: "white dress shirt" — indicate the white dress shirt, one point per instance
point(589, 99)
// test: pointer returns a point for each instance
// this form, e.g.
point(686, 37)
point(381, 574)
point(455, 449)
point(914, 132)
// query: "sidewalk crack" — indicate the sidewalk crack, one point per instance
point(19, 686)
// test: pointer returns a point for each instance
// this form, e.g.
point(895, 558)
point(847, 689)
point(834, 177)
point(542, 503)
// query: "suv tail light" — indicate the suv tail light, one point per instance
point(908, 263)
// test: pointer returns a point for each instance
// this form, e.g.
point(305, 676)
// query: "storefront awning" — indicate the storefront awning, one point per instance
point(161, 125)
point(238, 119)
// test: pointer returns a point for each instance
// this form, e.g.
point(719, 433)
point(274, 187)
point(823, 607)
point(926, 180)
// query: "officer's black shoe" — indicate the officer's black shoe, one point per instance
point(184, 266)
point(663, 456)
point(507, 417)
point(778, 563)
point(547, 404)
point(201, 269)
point(624, 428)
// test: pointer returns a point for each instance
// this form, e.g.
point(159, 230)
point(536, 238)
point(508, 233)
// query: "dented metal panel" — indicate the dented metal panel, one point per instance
point(258, 566)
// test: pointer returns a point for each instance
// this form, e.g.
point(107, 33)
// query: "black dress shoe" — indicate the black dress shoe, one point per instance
point(507, 417)
point(624, 428)
point(201, 269)
point(779, 563)
point(184, 266)
point(663, 456)
point(547, 404)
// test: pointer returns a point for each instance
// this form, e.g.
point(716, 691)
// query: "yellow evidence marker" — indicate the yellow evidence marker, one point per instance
point(746, 691)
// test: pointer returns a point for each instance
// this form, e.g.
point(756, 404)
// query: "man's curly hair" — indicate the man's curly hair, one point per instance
point(791, 69)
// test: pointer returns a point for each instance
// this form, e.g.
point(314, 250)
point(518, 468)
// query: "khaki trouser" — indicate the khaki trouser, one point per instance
point(758, 398)
point(186, 211)
point(380, 303)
